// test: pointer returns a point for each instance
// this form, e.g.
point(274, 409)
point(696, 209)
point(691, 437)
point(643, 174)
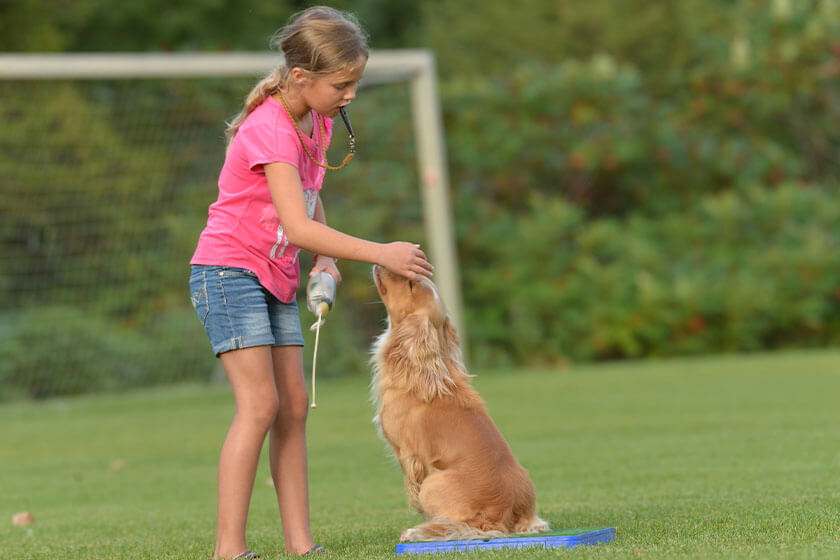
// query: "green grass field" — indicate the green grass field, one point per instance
point(735, 457)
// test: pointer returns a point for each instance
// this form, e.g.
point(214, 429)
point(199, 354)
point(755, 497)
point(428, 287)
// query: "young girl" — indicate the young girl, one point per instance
point(245, 270)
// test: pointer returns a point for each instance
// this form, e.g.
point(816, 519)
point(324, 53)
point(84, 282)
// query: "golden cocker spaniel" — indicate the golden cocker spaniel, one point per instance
point(459, 471)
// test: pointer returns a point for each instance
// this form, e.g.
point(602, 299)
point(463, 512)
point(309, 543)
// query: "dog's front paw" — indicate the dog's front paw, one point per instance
point(410, 535)
point(532, 527)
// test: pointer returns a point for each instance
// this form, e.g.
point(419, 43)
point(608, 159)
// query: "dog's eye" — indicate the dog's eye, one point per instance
point(410, 286)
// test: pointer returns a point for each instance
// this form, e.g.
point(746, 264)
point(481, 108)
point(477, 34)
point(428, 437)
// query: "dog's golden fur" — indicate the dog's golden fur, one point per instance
point(459, 471)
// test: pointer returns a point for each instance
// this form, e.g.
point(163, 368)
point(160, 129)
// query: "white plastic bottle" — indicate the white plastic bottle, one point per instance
point(320, 294)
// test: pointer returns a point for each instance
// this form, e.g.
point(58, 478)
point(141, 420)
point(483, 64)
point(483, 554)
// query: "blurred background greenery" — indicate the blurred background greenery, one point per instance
point(630, 178)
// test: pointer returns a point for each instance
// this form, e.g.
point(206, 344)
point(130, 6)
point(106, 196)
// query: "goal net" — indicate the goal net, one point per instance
point(107, 166)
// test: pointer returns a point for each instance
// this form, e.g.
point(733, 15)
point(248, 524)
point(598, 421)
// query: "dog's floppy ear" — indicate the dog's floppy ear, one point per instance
point(451, 344)
point(417, 355)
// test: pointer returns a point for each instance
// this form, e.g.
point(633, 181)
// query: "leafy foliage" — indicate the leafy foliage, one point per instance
point(738, 272)
point(601, 133)
point(63, 350)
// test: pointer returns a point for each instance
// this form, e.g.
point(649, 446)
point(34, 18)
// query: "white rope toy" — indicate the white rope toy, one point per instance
point(316, 326)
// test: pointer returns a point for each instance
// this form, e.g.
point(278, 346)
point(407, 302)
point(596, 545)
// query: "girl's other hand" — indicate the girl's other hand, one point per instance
point(326, 264)
point(406, 259)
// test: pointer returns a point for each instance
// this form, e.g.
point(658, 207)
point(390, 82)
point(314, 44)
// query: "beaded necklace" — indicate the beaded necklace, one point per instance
point(323, 135)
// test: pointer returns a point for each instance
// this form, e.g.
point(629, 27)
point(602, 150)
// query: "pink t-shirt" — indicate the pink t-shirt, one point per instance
point(243, 229)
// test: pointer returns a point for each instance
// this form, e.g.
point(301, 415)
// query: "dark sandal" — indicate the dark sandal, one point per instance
point(247, 555)
point(316, 548)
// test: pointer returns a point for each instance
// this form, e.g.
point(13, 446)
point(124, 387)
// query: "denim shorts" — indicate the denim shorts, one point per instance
point(237, 312)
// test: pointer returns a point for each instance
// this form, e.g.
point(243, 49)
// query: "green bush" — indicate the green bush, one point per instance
point(53, 351)
point(625, 206)
point(754, 104)
point(737, 272)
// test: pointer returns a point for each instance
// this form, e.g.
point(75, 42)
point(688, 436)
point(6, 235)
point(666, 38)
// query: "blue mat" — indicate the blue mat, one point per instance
point(556, 539)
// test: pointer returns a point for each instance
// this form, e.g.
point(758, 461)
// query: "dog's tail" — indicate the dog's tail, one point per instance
point(447, 530)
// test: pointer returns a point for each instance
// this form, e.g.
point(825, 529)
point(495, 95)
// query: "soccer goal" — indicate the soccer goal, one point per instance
point(101, 153)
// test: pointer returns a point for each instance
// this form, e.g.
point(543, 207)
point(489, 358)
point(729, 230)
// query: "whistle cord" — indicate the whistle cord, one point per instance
point(323, 133)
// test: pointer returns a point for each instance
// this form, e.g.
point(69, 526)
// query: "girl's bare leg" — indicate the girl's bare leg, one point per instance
point(251, 375)
point(287, 448)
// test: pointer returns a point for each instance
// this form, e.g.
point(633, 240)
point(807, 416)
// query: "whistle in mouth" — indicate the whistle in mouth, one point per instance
point(346, 120)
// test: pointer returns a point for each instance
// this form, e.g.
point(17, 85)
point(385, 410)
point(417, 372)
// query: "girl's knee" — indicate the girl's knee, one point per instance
point(262, 412)
point(293, 410)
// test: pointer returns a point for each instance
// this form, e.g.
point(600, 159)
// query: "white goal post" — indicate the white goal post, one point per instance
point(416, 66)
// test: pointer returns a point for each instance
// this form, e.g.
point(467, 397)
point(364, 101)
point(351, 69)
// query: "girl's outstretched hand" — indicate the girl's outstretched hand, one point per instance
point(406, 259)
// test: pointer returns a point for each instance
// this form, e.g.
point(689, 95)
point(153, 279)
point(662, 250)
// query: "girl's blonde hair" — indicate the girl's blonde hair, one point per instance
point(320, 40)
